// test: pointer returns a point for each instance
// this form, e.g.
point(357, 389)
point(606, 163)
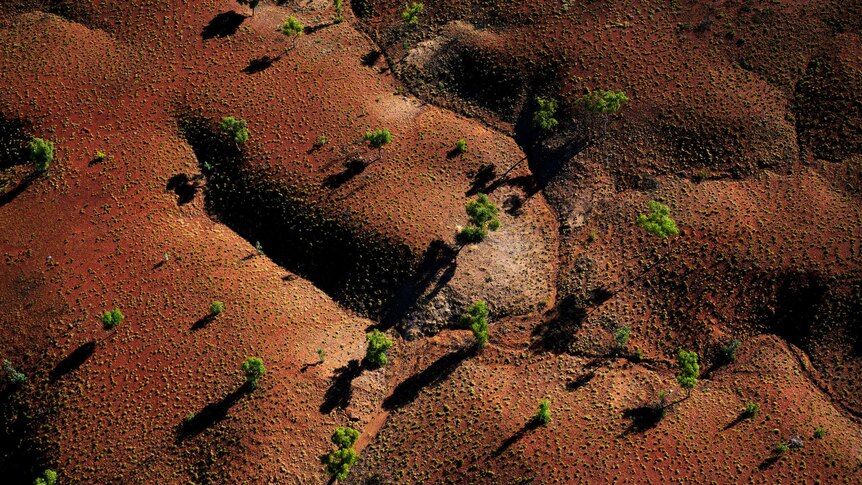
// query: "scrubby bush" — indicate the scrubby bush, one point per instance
point(338, 12)
point(728, 352)
point(543, 415)
point(344, 437)
point(689, 370)
point(411, 13)
point(378, 345)
point(622, 336)
point(13, 376)
point(339, 461)
point(235, 129)
point(321, 141)
point(781, 448)
point(41, 153)
point(100, 156)
point(377, 139)
point(112, 318)
point(321, 355)
point(292, 28)
point(658, 221)
point(461, 146)
point(751, 409)
point(819, 433)
point(251, 3)
point(253, 369)
point(216, 308)
point(49, 477)
point(483, 216)
point(604, 102)
point(544, 118)
point(476, 319)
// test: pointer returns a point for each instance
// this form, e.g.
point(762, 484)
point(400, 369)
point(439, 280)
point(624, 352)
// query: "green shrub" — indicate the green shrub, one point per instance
point(41, 153)
point(544, 116)
point(483, 216)
point(338, 12)
point(378, 345)
point(728, 352)
point(321, 355)
point(49, 477)
point(321, 141)
point(689, 369)
point(100, 156)
point(344, 437)
point(339, 461)
point(476, 319)
point(461, 146)
point(112, 318)
point(658, 221)
point(543, 415)
point(253, 369)
point(622, 336)
point(13, 376)
point(604, 102)
point(411, 13)
point(292, 28)
point(781, 448)
point(216, 308)
point(819, 433)
point(751, 409)
point(377, 139)
point(236, 129)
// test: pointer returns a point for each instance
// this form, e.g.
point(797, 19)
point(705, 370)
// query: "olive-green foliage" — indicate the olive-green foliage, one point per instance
point(543, 415)
point(49, 477)
point(605, 102)
point(658, 221)
point(781, 448)
point(253, 369)
point(751, 409)
point(483, 216)
point(339, 461)
point(622, 336)
point(41, 153)
point(411, 12)
point(251, 3)
point(476, 319)
point(819, 433)
point(216, 307)
point(15, 377)
point(461, 146)
point(544, 116)
point(100, 156)
point(338, 12)
point(728, 352)
point(112, 318)
point(235, 129)
point(378, 137)
point(689, 369)
point(292, 27)
point(378, 344)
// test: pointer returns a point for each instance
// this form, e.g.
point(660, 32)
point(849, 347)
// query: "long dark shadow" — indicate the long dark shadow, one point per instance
point(211, 414)
point(341, 390)
point(223, 25)
point(437, 372)
point(74, 360)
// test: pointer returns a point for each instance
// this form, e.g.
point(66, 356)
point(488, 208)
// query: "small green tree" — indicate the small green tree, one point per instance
point(819, 433)
point(751, 409)
point(41, 153)
point(338, 12)
point(235, 129)
point(112, 318)
point(378, 345)
point(251, 3)
point(728, 352)
point(49, 477)
point(483, 216)
point(13, 376)
point(604, 102)
point(344, 437)
point(100, 156)
point(622, 336)
point(321, 355)
point(339, 461)
point(689, 369)
point(216, 308)
point(293, 29)
point(544, 117)
point(253, 369)
point(781, 448)
point(476, 319)
point(658, 221)
point(461, 146)
point(543, 415)
point(411, 13)
point(377, 138)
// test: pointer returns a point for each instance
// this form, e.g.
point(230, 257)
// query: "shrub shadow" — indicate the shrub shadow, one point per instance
point(223, 25)
point(211, 414)
point(260, 64)
point(437, 372)
point(532, 424)
point(74, 360)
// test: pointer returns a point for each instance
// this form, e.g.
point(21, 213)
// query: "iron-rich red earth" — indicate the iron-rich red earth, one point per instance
point(744, 118)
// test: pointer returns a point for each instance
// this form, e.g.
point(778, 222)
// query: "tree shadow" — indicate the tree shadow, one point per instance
point(223, 25)
point(186, 188)
point(260, 64)
point(482, 180)
point(532, 424)
point(341, 390)
point(580, 381)
point(742, 417)
point(352, 168)
point(203, 321)
point(211, 414)
point(768, 462)
point(74, 360)
point(437, 372)
point(561, 324)
point(514, 205)
point(370, 58)
point(10, 195)
point(314, 28)
point(643, 418)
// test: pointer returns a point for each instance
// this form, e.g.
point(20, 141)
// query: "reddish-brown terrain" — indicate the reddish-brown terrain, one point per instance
point(744, 117)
